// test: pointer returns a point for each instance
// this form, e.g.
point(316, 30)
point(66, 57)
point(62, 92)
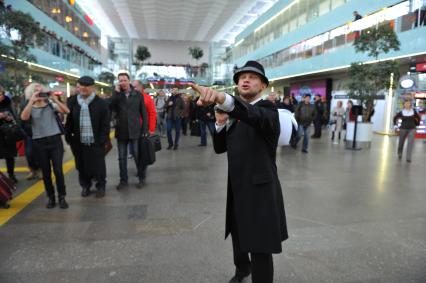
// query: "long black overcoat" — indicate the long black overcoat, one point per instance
point(93, 160)
point(254, 190)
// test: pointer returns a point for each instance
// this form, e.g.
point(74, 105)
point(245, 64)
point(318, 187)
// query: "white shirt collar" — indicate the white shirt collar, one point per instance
point(256, 101)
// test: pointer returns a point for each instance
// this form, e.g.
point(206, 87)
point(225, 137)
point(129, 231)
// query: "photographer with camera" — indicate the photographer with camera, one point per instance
point(42, 109)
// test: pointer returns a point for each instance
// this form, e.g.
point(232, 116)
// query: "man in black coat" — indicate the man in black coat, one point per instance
point(129, 107)
point(247, 128)
point(319, 108)
point(87, 129)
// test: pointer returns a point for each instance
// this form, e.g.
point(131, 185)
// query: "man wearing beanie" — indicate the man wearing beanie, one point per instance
point(87, 129)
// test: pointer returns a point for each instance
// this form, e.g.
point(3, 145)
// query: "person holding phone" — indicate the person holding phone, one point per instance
point(42, 109)
point(129, 107)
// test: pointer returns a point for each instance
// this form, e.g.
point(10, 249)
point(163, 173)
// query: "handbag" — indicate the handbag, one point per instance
point(155, 139)
point(195, 129)
point(146, 151)
point(12, 132)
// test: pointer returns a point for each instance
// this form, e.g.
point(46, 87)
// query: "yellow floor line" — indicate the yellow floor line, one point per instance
point(20, 202)
point(17, 169)
point(25, 198)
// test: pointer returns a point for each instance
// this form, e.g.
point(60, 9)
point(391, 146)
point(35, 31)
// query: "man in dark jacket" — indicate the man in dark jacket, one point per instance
point(87, 129)
point(206, 118)
point(319, 109)
point(174, 110)
point(247, 128)
point(304, 114)
point(128, 105)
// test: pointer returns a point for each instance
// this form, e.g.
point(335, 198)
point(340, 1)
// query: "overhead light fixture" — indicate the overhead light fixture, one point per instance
point(68, 19)
point(56, 11)
point(75, 28)
point(85, 34)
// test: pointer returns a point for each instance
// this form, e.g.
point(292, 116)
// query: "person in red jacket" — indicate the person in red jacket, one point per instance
point(152, 114)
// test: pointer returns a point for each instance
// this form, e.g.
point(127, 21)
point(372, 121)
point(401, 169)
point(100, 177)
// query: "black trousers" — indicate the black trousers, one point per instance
point(318, 127)
point(260, 265)
point(90, 163)
point(50, 150)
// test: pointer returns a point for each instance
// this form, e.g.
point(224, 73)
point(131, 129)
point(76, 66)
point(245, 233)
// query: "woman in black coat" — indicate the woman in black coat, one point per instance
point(7, 149)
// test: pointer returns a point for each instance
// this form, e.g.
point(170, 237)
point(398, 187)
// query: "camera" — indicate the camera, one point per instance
point(43, 94)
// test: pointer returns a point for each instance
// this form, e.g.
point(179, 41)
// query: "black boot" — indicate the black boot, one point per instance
point(100, 193)
point(13, 178)
point(339, 136)
point(51, 203)
point(62, 203)
point(85, 192)
point(332, 136)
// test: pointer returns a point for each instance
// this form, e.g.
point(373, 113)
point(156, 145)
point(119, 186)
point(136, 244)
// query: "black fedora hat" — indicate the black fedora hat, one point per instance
point(252, 67)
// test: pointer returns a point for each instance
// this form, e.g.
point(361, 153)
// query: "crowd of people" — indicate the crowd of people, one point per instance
point(86, 118)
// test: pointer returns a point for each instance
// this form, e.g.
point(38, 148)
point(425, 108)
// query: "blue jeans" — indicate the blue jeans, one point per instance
point(173, 123)
point(122, 158)
point(203, 132)
point(305, 130)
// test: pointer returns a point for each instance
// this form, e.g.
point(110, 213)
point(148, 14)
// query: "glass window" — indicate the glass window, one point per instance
point(323, 7)
point(337, 3)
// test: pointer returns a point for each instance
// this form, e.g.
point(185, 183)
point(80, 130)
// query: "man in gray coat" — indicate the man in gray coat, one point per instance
point(247, 128)
point(131, 122)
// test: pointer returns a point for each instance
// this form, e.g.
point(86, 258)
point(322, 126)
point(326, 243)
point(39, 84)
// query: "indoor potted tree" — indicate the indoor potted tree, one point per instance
point(369, 80)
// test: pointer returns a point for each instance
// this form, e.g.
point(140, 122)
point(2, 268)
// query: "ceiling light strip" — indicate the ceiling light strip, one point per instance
point(345, 66)
point(50, 69)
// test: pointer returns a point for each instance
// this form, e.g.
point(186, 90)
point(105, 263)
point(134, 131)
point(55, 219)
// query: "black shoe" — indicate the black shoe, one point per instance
point(409, 160)
point(85, 192)
point(62, 203)
point(202, 144)
point(140, 184)
point(304, 151)
point(238, 278)
point(170, 146)
point(175, 147)
point(100, 193)
point(294, 145)
point(51, 203)
point(122, 186)
point(13, 179)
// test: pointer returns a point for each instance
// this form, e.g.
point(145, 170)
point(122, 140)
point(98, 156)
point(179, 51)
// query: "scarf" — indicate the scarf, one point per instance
point(86, 130)
point(406, 112)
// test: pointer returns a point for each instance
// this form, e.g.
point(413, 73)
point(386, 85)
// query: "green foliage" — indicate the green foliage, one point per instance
point(196, 52)
point(366, 80)
point(29, 31)
point(29, 34)
point(377, 40)
point(106, 77)
point(142, 53)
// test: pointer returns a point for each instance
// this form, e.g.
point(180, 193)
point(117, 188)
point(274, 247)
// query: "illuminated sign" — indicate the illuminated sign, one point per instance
point(420, 95)
point(421, 67)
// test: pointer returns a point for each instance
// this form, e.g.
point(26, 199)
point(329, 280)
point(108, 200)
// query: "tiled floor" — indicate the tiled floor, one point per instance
point(353, 216)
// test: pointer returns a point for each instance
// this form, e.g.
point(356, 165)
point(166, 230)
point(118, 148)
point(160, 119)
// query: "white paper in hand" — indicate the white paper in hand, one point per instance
point(287, 122)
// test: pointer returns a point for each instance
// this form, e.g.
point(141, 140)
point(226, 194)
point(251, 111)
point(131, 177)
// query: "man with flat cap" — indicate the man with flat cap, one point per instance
point(87, 129)
point(248, 128)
